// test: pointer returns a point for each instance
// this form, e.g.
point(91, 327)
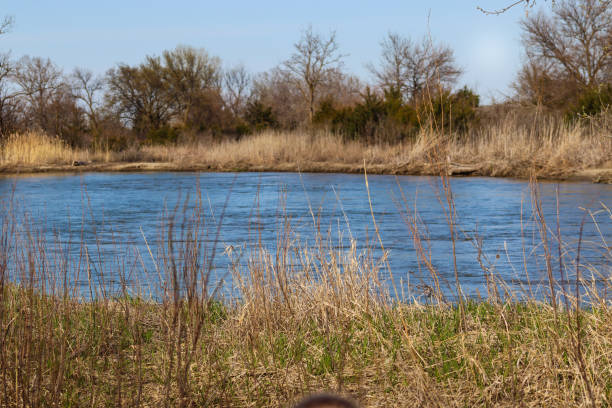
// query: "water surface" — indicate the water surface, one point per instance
point(495, 230)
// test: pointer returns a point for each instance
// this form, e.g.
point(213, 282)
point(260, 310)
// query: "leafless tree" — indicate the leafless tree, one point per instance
point(139, 95)
point(392, 73)
point(314, 63)
point(6, 67)
point(577, 38)
point(572, 47)
point(6, 24)
point(237, 82)
point(86, 87)
point(188, 73)
point(413, 68)
point(8, 96)
point(38, 79)
point(541, 84)
point(344, 90)
point(526, 3)
point(64, 117)
point(275, 90)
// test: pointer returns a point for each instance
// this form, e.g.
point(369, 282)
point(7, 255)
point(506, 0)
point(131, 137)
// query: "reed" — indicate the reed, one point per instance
point(35, 148)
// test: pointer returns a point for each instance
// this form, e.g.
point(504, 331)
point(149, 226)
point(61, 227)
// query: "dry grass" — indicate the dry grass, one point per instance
point(36, 148)
point(305, 319)
point(550, 149)
point(506, 149)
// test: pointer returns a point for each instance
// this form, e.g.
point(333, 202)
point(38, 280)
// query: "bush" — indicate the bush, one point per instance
point(260, 116)
point(451, 111)
point(376, 119)
point(162, 136)
point(591, 102)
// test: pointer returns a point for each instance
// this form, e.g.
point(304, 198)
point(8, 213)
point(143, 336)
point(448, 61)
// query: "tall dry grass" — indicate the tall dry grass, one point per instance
point(305, 318)
point(548, 148)
point(506, 148)
point(36, 148)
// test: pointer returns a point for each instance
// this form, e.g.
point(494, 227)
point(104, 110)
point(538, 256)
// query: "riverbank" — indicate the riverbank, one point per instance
point(601, 175)
point(270, 351)
point(566, 155)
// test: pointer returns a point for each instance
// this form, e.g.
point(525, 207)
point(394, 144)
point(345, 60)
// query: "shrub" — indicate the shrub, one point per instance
point(162, 136)
point(375, 119)
point(260, 116)
point(451, 111)
point(592, 101)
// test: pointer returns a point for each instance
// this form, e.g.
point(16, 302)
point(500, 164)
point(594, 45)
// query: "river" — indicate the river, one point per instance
point(116, 214)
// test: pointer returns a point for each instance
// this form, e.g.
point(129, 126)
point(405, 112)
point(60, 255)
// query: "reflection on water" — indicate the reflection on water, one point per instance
point(496, 232)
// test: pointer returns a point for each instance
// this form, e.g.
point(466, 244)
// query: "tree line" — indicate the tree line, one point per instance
point(186, 94)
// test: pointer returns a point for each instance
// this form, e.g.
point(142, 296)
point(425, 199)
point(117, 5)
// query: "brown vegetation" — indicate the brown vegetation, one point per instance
point(508, 149)
point(568, 54)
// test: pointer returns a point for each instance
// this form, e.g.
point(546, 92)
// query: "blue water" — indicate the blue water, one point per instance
point(113, 213)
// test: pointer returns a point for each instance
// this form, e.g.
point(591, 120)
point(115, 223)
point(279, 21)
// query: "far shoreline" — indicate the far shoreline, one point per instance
point(596, 175)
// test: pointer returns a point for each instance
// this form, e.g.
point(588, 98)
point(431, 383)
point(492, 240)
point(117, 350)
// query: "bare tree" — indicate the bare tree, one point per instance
point(275, 90)
point(566, 52)
point(39, 79)
point(85, 88)
point(189, 72)
point(315, 62)
point(344, 90)
point(8, 96)
point(236, 83)
point(526, 3)
point(392, 73)
point(541, 84)
point(139, 95)
point(6, 24)
point(6, 67)
point(577, 39)
point(414, 68)
point(65, 118)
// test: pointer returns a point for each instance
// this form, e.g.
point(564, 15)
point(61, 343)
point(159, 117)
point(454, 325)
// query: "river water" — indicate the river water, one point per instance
point(496, 228)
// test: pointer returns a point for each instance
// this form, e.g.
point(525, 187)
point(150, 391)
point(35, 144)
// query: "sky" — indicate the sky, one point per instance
point(260, 34)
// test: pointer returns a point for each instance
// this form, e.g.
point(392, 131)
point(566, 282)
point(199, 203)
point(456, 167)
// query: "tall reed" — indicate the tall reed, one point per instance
point(35, 148)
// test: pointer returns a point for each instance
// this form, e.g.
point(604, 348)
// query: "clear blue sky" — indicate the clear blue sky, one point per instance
point(260, 34)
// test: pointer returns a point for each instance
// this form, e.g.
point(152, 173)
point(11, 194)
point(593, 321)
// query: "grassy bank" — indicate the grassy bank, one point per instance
point(78, 332)
point(550, 150)
point(128, 352)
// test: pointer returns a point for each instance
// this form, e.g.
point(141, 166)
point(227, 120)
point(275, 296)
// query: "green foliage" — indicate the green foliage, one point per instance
point(390, 119)
point(117, 143)
point(162, 136)
point(464, 104)
point(356, 122)
point(326, 112)
point(260, 116)
point(451, 111)
point(592, 101)
point(242, 129)
point(399, 111)
point(361, 120)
